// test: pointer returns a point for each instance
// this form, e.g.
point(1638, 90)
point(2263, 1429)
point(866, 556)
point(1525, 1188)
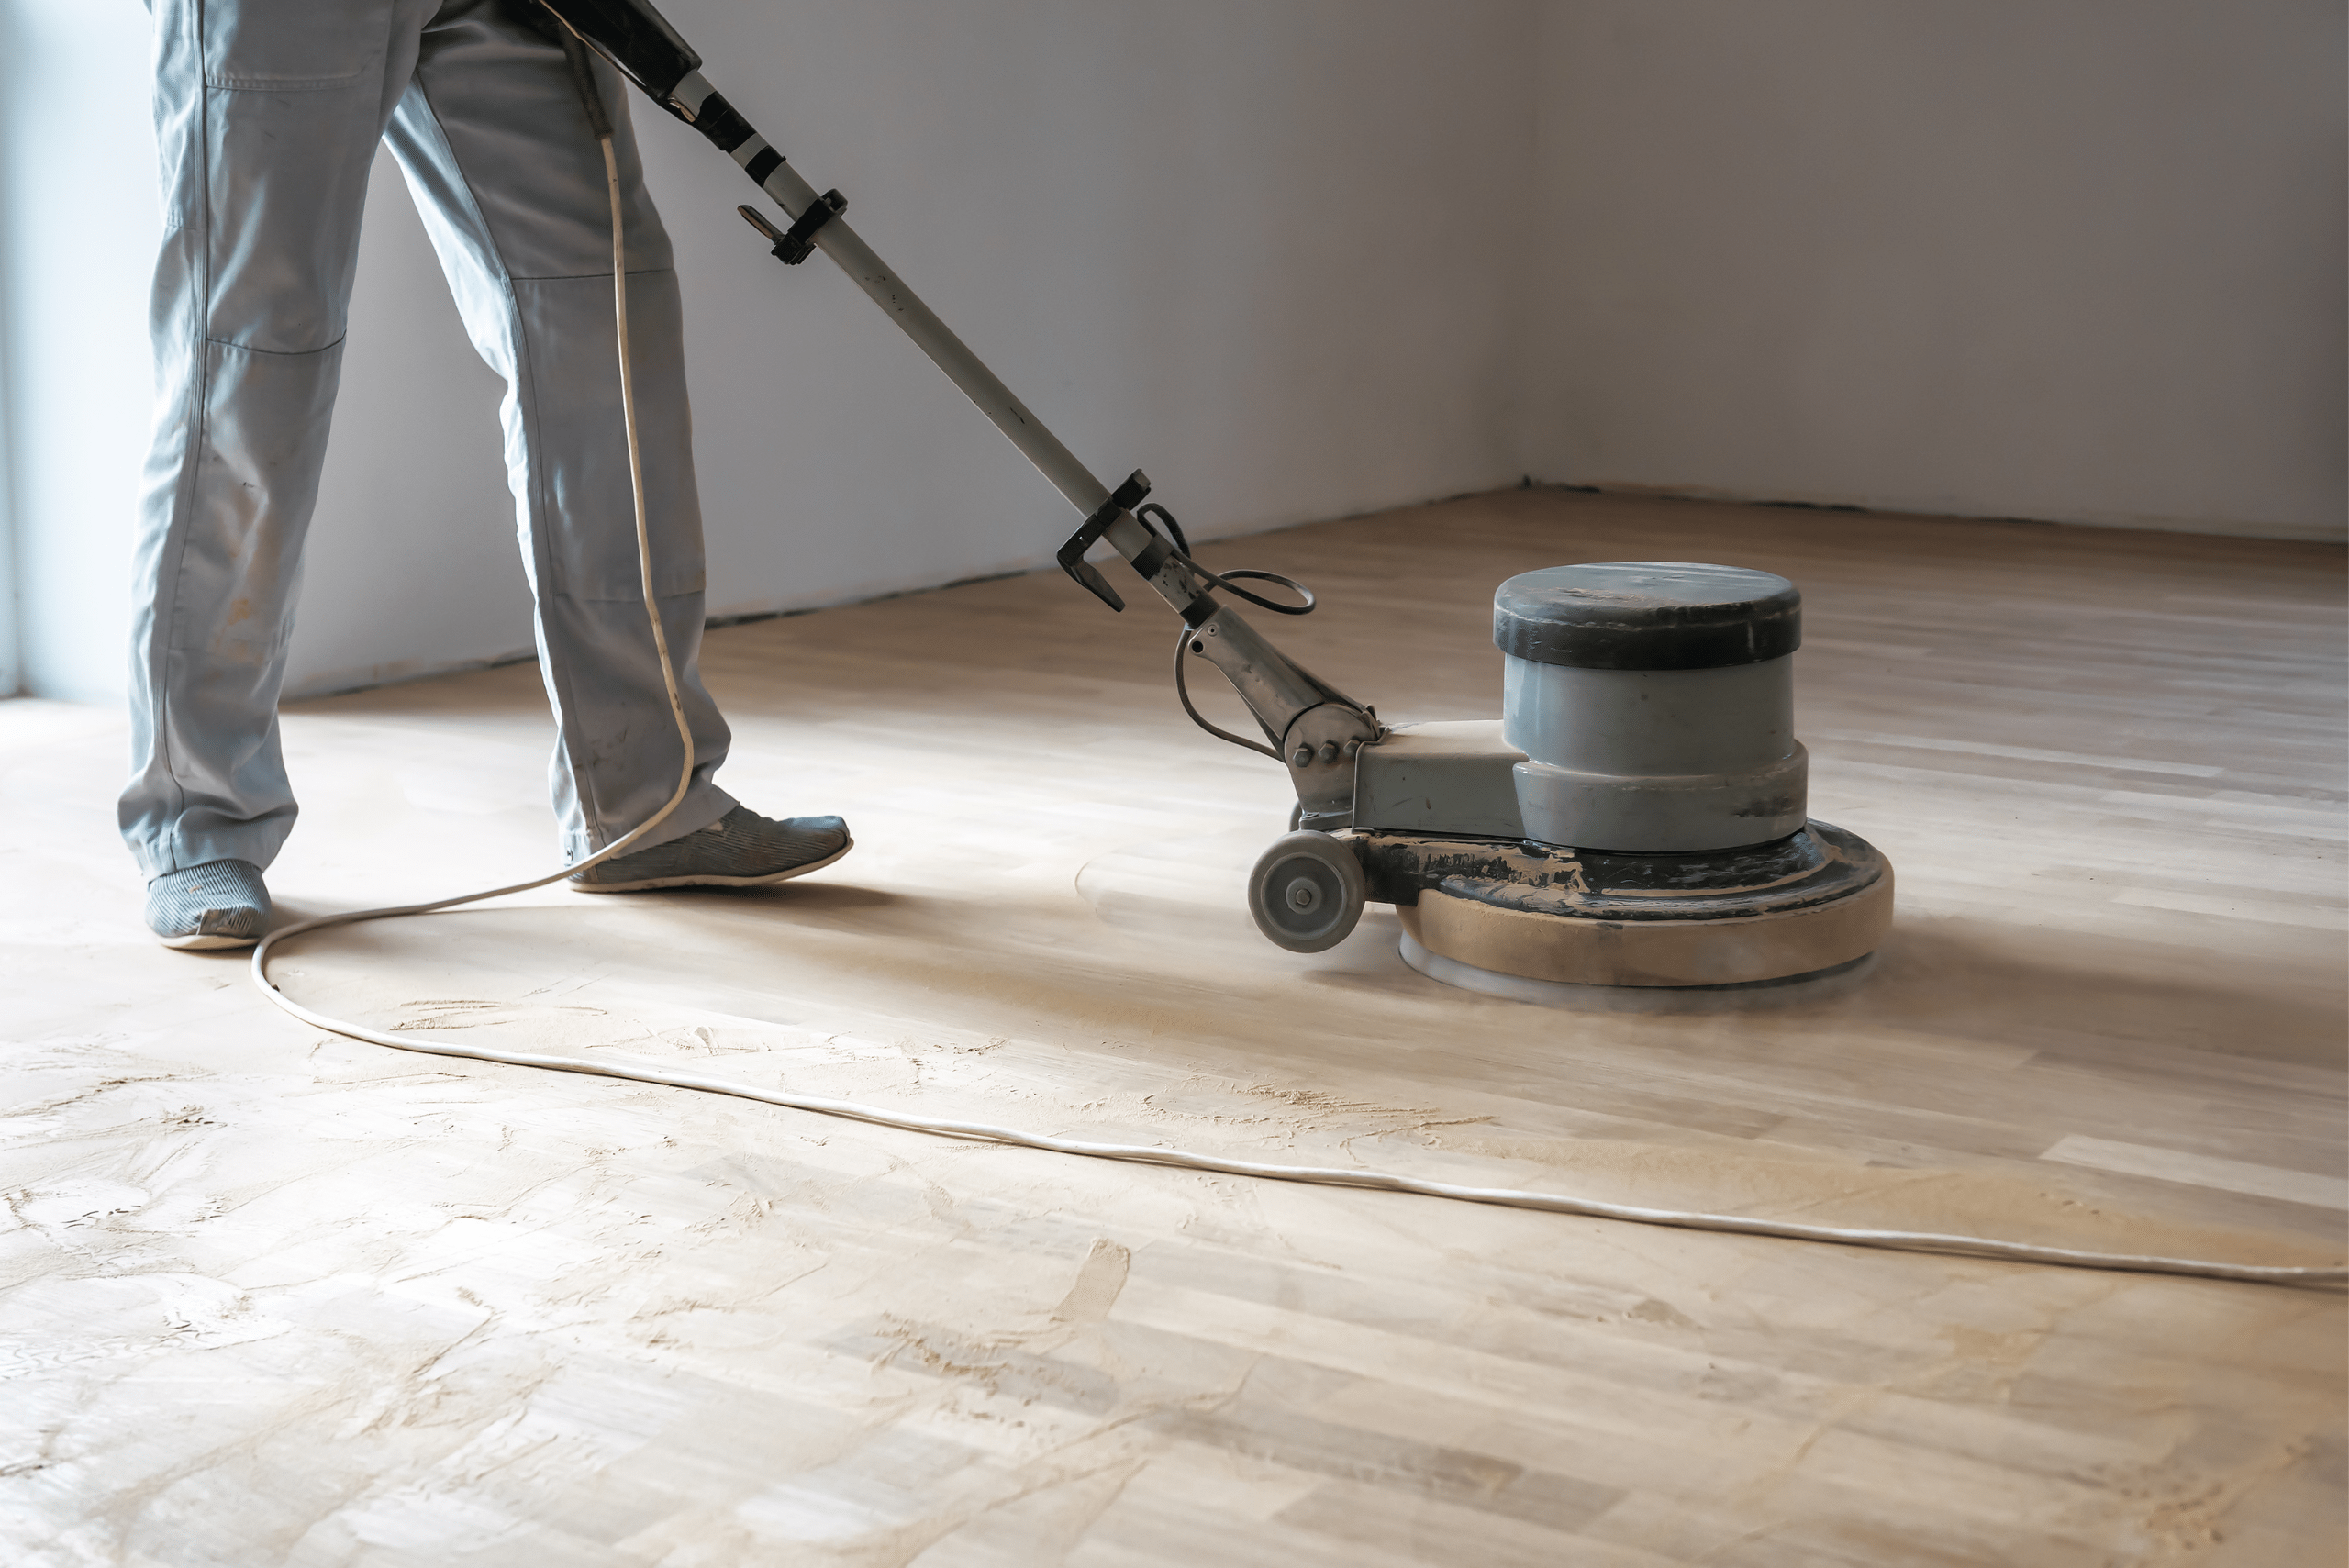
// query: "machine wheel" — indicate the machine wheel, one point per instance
point(1307, 892)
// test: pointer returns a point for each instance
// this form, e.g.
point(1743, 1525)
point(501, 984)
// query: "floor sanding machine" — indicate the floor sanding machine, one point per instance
point(1636, 817)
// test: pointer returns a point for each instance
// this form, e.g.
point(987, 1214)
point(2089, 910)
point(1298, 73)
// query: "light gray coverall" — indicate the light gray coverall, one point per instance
point(267, 113)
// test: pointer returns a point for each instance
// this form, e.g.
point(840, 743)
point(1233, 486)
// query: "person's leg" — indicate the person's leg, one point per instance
point(510, 180)
point(267, 116)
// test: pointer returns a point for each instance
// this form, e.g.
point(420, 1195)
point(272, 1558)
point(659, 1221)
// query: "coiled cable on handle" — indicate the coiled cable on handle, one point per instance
point(1150, 1154)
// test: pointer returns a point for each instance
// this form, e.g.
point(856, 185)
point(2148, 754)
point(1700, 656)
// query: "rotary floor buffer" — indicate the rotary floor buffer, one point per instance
point(1636, 817)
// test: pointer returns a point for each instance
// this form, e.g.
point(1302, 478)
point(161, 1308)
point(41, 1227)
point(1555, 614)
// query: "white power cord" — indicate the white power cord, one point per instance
point(660, 644)
point(1139, 1154)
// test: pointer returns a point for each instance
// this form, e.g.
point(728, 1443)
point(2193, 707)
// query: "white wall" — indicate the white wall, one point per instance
point(411, 564)
point(78, 227)
point(2076, 259)
point(1196, 237)
point(12, 47)
point(2071, 259)
point(1270, 253)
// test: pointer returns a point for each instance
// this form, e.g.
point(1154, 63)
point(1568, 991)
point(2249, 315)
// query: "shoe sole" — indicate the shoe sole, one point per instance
point(201, 941)
point(651, 884)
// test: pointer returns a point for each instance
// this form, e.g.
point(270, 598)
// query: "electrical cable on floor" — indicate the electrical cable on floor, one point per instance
point(1182, 1159)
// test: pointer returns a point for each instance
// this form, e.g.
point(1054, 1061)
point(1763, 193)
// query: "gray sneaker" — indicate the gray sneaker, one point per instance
point(741, 849)
point(220, 904)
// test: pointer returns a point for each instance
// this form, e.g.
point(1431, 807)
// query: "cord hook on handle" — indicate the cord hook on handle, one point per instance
point(795, 244)
point(1153, 514)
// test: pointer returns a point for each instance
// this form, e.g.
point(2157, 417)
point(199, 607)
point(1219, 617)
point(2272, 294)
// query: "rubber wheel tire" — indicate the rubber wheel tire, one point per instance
point(1307, 892)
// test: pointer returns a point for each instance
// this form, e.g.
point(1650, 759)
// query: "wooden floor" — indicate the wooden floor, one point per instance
point(272, 1296)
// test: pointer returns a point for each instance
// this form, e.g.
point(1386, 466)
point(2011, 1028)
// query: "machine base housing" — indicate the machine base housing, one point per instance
point(1816, 900)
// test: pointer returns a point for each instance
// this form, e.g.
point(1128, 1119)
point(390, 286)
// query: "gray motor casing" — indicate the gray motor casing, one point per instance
point(1653, 702)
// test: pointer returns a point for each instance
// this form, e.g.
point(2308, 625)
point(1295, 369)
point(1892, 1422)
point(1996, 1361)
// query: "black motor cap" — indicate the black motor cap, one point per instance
point(1647, 614)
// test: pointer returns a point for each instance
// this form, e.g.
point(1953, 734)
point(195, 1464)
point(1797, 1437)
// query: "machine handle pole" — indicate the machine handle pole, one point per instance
point(1276, 689)
point(934, 338)
point(644, 47)
point(694, 99)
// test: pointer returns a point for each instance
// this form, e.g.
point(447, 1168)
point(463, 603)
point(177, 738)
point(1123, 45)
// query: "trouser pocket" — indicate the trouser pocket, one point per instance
point(288, 45)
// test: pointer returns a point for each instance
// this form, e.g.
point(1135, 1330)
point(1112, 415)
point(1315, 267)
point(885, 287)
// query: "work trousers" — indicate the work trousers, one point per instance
point(267, 113)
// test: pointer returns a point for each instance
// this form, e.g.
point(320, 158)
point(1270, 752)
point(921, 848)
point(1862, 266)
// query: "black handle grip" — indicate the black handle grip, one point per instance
point(634, 37)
